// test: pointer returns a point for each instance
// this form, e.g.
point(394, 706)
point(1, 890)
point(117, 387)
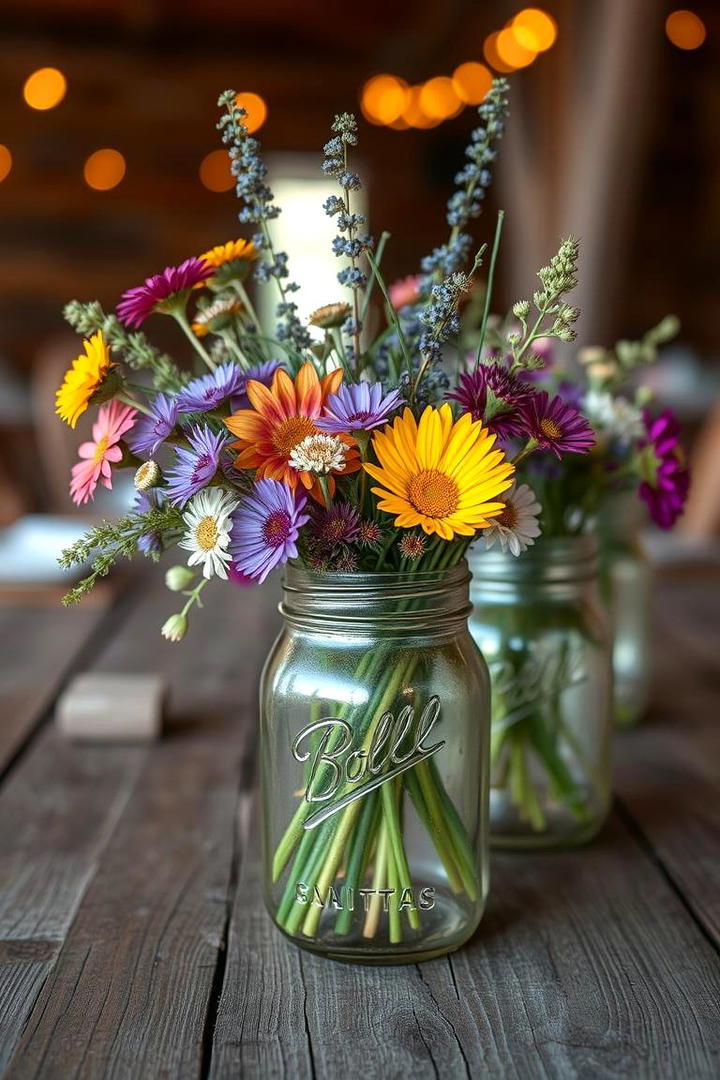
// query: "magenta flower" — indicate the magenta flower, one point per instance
point(161, 291)
point(336, 525)
point(358, 408)
point(196, 465)
point(556, 426)
point(266, 528)
point(207, 392)
point(667, 479)
point(507, 389)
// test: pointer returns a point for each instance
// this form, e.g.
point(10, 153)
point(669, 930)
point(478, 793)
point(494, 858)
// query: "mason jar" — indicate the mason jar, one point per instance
point(541, 626)
point(626, 584)
point(375, 725)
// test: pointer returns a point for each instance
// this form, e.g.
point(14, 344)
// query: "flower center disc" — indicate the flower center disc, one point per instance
point(433, 493)
point(508, 517)
point(290, 432)
point(277, 528)
point(550, 429)
point(100, 448)
point(206, 533)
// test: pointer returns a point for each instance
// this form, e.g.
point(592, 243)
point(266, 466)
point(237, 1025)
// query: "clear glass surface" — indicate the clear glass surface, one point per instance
point(375, 714)
point(539, 622)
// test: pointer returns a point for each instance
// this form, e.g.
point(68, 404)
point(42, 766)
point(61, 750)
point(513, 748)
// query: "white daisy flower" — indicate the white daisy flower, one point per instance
point(208, 520)
point(517, 527)
point(613, 417)
point(320, 454)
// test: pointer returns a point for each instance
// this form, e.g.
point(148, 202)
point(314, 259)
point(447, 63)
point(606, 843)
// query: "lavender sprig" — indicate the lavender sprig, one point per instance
point(259, 209)
point(349, 241)
point(473, 180)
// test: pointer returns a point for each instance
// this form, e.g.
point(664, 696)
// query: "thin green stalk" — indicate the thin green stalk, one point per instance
point(358, 858)
point(379, 250)
point(402, 870)
point(489, 287)
point(391, 313)
point(181, 319)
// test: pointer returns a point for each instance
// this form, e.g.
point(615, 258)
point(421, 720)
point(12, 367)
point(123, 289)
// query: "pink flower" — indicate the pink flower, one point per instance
point(113, 421)
point(405, 291)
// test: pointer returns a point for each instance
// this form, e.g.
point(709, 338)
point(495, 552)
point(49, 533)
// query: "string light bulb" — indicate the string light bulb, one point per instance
point(45, 88)
point(104, 169)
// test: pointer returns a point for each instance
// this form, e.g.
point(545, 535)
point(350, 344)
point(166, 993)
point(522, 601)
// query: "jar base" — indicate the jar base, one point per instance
point(508, 832)
point(355, 950)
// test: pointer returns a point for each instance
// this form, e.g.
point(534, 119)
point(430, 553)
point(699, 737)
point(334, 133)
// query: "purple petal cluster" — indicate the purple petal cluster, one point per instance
point(266, 527)
point(664, 492)
point(195, 465)
point(150, 431)
point(150, 543)
point(472, 394)
point(330, 528)
point(209, 391)
point(359, 407)
point(136, 304)
point(556, 426)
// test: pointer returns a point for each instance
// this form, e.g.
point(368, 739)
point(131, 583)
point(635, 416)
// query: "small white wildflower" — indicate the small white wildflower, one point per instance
point(208, 520)
point(613, 417)
point(319, 454)
point(147, 476)
point(517, 527)
point(175, 628)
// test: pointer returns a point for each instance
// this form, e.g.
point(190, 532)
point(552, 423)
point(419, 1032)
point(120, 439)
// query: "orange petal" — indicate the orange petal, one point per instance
point(247, 425)
point(264, 401)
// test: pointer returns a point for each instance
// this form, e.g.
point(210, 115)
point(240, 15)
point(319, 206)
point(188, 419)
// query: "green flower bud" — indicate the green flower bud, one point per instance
point(175, 628)
point(521, 309)
point(178, 578)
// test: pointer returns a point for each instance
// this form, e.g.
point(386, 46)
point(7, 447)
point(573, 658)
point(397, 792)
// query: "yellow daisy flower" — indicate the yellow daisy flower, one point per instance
point(439, 474)
point(83, 379)
point(233, 251)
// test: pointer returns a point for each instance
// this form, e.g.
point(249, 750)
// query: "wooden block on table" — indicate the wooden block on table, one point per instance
point(112, 708)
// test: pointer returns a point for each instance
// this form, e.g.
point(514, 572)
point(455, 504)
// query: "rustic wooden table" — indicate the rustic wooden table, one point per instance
point(133, 942)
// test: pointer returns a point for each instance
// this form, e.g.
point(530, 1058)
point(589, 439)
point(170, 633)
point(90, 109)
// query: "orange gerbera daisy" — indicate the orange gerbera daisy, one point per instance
point(282, 416)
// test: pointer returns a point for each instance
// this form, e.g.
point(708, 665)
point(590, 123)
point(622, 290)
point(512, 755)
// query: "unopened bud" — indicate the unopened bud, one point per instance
point(175, 628)
point(178, 578)
point(147, 476)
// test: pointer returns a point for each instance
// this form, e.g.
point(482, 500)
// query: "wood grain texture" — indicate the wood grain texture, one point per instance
point(585, 965)
point(38, 648)
point(131, 989)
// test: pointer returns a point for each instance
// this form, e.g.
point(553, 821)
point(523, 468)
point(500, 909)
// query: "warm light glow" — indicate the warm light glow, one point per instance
point(215, 171)
point(383, 99)
point(104, 169)
point(685, 29)
point(534, 29)
point(439, 99)
point(490, 51)
point(511, 51)
point(45, 88)
point(255, 108)
point(414, 114)
point(5, 161)
point(472, 82)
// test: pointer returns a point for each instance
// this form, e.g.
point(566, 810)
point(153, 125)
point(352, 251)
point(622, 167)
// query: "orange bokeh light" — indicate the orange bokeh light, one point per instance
point(491, 54)
point(414, 114)
point(383, 99)
point(45, 88)
point(472, 82)
point(255, 108)
point(685, 29)
point(439, 99)
point(5, 161)
point(511, 51)
point(215, 171)
point(535, 29)
point(104, 169)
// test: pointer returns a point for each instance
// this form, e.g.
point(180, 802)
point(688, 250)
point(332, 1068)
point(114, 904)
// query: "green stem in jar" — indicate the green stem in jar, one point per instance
point(372, 918)
point(397, 849)
point(358, 857)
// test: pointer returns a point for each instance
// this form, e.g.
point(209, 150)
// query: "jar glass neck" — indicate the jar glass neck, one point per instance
point(568, 561)
point(432, 601)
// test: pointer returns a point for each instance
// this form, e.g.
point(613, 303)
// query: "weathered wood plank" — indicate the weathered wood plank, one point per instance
point(586, 964)
point(130, 991)
point(38, 648)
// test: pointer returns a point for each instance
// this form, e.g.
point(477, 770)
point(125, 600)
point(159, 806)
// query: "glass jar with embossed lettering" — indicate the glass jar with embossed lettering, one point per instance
point(375, 726)
point(541, 626)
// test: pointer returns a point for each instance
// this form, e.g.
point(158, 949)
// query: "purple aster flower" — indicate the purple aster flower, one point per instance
point(150, 431)
point(667, 479)
point(195, 465)
point(266, 527)
point(556, 426)
point(149, 543)
point(329, 528)
point(209, 391)
point(263, 373)
point(511, 393)
point(358, 408)
point(158, 292)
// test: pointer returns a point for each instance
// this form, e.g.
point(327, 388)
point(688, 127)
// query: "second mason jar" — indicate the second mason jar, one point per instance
point(543, 631)
point(375, 724)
